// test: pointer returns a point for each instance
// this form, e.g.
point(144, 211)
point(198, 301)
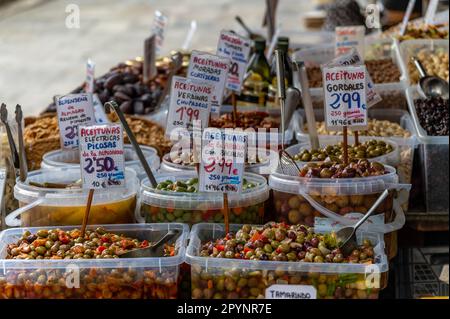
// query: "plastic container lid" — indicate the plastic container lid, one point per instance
point(26, 193)
point(202, 200)
point(13, 235)
point(392, 158)
point(334, 186)
point(205, 232)
point(63, 158)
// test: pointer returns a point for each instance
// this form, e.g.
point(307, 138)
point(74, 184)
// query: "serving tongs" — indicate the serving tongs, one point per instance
point(22, 155)
point(153, 250)
point(252, 35)
point(12, 145)
point(287, 163)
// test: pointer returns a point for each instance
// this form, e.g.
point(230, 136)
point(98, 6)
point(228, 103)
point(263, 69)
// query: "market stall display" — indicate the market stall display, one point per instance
point(176, 199)
point(55, 198)
point(102, 275)
point(249, 261)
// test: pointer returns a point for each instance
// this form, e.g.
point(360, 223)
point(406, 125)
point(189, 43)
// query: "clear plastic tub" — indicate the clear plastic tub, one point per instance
point(433, 155)
point(406, 145)
point(374, 50)
point(62, 158)
point(413, 47)
point(60, 207)
point(125, 278)
point(191, 208)
point(241, 279)
point(309, 201)
point(265, 168)
point(392, 158)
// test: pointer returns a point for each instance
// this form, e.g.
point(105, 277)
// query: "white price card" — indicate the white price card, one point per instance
point(102, 156)
point(223, 160)
point(349, 37)
point(345, 96)
point(73, 111)
point(190, 100)
point(237, 49)
point(212, 69)
point(90, 76)
point(354, 58)
point(291, 292)
point(158, 28)
point(99, 110)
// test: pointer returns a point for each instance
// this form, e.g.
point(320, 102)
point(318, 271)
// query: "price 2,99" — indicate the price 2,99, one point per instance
point(99, 165)
point(347, 100)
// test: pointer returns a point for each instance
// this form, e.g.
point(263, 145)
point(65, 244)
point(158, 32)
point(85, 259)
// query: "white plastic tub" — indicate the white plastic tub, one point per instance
point(60, 207)
point(254, 279)
point(125, 278)
point(63, 158)
point(433, 154)
point(191, 208)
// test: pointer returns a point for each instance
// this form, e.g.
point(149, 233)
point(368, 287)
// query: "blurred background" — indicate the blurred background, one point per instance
point(40, 56)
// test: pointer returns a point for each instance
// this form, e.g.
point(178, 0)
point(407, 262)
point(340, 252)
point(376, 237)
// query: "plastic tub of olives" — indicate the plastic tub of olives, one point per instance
point(69, 158)
point(317, 201)
point(241, 279)
point(391, 157)
point(159, 205)
point(50, 206)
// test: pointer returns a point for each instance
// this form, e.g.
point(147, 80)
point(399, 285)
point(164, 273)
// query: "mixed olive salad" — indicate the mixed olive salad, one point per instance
point(280, 242)
point(60, 244)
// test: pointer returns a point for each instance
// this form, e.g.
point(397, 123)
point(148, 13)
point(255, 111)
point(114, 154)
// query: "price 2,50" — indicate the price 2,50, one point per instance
point(99, 165)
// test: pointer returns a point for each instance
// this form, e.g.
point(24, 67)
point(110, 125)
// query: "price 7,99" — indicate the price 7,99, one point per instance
point(189, 113)
point(348, 100)
point(99, 165)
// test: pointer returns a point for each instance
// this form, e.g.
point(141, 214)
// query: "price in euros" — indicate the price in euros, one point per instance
point(225, 167)
point(99, 165)
point(349, 100)
point(189, 113)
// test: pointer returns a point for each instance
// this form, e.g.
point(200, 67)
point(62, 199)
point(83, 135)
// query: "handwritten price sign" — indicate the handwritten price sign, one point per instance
point(345, 96)
point(210, 69)
point(190, 101)
point(223, 161)
point(237, 49)
point(102, 156)
point(73, 110)
point(349, 37)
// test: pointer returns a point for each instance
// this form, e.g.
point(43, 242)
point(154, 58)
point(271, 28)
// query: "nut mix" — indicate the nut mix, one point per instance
point(368, 149)
point(381, 71)
point(253, 213)
point(419, 31)
point(434, 63)
point(95, 283)
point(433, 115)
point(282, 243)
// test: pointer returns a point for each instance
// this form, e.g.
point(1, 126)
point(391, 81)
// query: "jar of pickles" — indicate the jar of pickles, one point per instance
point(177, 199)
point(55, 198)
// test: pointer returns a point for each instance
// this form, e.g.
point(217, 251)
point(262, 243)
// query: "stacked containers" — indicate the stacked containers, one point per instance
point(238, 278)
point(433, 149)
point(318, 201)
point(406, 145)
point(127, 278)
